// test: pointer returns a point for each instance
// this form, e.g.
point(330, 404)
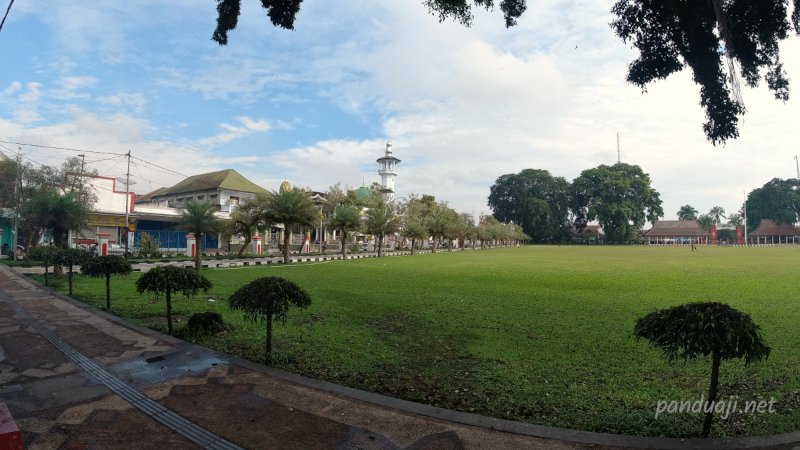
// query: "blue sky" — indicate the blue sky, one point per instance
point(462, 106)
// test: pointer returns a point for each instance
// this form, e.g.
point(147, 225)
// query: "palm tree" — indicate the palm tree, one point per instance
point(717, 213)
point(382, 220)
point(735, 219)
point(414, 229)
point(198, 218)
point(247, 219)
point(293, 208)
point(344, 220)
point(687, 212)
point(705, 221)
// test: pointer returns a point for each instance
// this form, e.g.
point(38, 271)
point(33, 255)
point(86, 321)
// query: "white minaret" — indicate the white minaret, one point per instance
point(387, 169)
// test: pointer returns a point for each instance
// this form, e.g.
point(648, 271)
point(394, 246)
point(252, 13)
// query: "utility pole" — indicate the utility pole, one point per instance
point(619, 158)
point(797, 165)
point(744, 209)
point(127, 201)
point(17, 198)
point(80, 178)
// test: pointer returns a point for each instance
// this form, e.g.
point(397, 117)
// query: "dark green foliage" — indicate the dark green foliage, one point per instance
point(700, 329)
point(292, 208)
point(382, 219)
point(345, 220)
point(282, 13)
point(778, 200)
point(71, 257)
point(105, 266)
point(704, 329)
point(619, 197)
point(205, 323)
point(687, 212)
point(169, 279)
point(534, 199)
point(149, 247)
point(47, 255)
point(247, 219)
point(673, 35)
point(669, 35)
point(48, 210)
point(198, 218)
point(267, 299)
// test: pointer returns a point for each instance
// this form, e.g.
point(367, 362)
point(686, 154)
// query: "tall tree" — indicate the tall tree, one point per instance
point(687, 212)
point(705, 221)
point(381, 219)
point(345, 219)
point(619, 197)
point(534, 199)
point(669, 35)
point(717, 213)
point(247, 219)
point(292, 208)
point(198, 218)
point(735, 219)
point(778, 200)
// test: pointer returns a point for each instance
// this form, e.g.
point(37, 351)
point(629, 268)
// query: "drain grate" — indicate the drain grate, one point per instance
point(173, 421)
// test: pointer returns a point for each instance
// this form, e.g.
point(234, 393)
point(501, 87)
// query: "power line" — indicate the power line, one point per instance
point(62, 148)
point(159, 167)
point(6, 15)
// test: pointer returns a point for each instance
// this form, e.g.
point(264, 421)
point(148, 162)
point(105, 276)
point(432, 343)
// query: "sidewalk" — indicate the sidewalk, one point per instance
point(59, 402)
point(77, 378)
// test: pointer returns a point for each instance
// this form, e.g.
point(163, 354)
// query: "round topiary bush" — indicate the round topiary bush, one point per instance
point(205, 323)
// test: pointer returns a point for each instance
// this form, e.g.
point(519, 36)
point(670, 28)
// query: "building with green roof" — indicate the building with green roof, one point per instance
point(224, 189)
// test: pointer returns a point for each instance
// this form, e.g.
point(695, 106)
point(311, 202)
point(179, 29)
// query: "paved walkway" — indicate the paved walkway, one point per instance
point(233, 262)
point(76, 378)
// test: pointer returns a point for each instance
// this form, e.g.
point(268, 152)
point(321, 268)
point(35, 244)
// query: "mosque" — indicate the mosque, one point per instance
point(157, 213)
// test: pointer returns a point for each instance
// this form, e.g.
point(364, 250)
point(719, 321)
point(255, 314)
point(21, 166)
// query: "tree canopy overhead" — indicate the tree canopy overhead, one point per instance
point(719, 40)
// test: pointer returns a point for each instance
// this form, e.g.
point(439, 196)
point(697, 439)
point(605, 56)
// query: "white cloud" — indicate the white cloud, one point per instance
point(232, 132)
point(136, 102)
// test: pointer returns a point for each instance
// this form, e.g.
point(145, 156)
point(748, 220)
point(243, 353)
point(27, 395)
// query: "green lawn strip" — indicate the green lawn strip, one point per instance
point(539, 334)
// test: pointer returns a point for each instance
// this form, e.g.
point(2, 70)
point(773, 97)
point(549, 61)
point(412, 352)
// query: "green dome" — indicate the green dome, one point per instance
point(363, 193)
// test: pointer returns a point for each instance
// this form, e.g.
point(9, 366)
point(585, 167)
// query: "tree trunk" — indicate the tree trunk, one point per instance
point(268, 343)
point(712, 393)
point(412, 245)
point(433, 246)
point(344, 244)
point(244, 247)
point(70, 280)
point(380, 246)
point(198, 252)
point(46, 274)
point(58, 270)
point(169, 311)
point(286, 237)
point(108, 290)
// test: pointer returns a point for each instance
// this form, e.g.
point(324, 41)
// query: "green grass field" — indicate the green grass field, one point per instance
point(537, 334)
